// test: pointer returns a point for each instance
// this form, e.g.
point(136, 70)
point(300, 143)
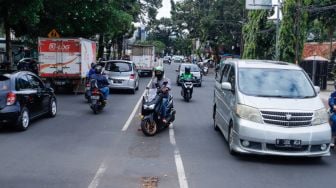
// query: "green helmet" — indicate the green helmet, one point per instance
point(158, 72)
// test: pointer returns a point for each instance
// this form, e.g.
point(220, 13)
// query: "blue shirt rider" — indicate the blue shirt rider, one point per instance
point(332, 105)
point(91, 71)
point(102, 81)
point(165, 87)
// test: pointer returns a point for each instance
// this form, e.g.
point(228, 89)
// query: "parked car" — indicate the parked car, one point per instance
point(23, 97)
point(194, 69)
point(270, 108)
point(122, 74)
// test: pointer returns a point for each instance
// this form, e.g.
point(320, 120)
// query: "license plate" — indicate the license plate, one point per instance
point(288, 143)
point(60, 83)
point(117, 81)
point(94, 97)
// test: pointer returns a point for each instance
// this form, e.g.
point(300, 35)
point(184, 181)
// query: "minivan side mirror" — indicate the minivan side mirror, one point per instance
point(317, 89)
point(226, 86)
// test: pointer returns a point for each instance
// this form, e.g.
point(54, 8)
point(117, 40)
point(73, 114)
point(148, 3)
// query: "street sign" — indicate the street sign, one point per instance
point(258, 4)
point(53, 34)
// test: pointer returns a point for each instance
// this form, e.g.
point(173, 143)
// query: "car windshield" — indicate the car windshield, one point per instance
point(275, 83)
point(118, 67)
point(4, 83)
point(193, 68)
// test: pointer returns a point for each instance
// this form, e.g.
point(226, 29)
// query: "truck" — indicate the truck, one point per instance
point(65, 62)
point(143, 57)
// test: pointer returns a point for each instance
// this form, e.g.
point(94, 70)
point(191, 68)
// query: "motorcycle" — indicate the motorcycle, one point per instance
point(151, 123)
point(205, 70)
point(87, 93)
point(187, 88)
point(97, 99)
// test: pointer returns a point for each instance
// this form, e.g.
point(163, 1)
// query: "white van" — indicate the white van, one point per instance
point(270, 107)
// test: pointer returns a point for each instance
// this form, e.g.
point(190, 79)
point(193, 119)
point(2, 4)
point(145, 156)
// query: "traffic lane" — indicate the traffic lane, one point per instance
point(141, 157)
point(208, 163)
point(67, 150)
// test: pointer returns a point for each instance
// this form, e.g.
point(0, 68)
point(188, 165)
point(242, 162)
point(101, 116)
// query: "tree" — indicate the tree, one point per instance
point(18, 17)
point(259, 36)
point(293, 30)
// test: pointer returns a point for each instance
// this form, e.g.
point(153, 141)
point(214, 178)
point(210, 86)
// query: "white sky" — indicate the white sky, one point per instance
point(165, 10)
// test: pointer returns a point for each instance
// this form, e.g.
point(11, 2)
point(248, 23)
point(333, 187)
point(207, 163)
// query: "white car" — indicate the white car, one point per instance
point(122, 74)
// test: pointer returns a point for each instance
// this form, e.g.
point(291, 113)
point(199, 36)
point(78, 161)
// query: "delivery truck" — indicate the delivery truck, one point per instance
point(65, 62)
point(143, 57)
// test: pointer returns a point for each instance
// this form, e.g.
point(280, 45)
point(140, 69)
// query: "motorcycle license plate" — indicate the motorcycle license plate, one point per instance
point(94, 97)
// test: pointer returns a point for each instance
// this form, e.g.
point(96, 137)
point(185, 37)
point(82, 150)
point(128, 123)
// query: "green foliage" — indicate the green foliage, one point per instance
point(20, 15)
point(259, 36)
point(293, 30)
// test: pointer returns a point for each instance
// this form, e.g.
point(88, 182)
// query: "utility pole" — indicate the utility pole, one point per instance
point(278, 6)
point(297, 31)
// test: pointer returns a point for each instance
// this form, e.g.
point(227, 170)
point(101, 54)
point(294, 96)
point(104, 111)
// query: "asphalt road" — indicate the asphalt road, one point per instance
point(80, 149)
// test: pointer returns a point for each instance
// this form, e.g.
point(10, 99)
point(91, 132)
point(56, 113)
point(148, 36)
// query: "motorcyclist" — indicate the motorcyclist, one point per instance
point(187, 74)
point(102, 81)
point(164, 85)
point(91, 71)
point(332, 105)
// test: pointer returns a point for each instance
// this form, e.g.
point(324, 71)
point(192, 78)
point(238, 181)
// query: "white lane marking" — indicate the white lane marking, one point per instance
point(178, 159)
point(101, 170)
point(130, 118)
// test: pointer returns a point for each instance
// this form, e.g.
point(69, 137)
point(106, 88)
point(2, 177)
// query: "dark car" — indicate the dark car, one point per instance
point(23, 97)
point(28, 64)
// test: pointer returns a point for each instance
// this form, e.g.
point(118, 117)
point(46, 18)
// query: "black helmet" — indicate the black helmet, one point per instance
point(93, 65)
point(98, 69)
point(187, 69)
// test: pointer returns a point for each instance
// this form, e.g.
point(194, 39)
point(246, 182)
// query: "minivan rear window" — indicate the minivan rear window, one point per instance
point(118, 67)
point(281, 83)
point(4, 83)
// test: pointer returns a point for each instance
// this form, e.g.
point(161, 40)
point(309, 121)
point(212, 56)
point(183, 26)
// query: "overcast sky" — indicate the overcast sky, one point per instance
point(165, 10)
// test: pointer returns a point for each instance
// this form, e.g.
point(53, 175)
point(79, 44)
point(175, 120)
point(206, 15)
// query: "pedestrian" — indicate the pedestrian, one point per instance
point(332, 105)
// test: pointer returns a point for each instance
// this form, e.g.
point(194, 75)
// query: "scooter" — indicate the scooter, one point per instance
point(97, 103)
point(187, 88)
point(205, 70)
point(151, 121)
point(87, 93)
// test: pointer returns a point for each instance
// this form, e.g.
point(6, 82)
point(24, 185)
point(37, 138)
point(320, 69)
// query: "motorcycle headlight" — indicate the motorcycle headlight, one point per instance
point(149, 107)
point(249, 113)
point(320, 117)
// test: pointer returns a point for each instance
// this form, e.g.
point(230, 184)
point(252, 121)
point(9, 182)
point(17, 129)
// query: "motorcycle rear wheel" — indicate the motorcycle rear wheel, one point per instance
point(149, 128)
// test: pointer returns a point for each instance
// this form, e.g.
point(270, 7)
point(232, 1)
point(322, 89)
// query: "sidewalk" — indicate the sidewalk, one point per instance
point(324, 94)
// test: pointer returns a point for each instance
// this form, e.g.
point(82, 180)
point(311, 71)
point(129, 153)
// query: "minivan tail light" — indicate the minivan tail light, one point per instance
point(132, 76)
point(11, 98)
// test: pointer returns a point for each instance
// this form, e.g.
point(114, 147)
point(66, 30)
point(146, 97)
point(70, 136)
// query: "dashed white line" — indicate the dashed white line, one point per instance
point(178, 160)
point(129, 120)
point(101, 170)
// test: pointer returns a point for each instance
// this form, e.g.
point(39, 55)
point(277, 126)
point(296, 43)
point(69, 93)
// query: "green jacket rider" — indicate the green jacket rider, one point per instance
point(187, 74)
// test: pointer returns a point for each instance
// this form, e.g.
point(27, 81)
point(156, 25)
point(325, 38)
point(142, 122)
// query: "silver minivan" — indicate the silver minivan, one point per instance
point(122, 74)
point(269, 107)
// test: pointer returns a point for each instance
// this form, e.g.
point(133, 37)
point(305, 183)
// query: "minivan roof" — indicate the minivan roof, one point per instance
point(263, 64)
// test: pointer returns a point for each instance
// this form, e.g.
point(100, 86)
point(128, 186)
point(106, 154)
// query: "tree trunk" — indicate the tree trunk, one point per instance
point(120, 46)
point(100, 46)
point(331, 32)
point(9, 54)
